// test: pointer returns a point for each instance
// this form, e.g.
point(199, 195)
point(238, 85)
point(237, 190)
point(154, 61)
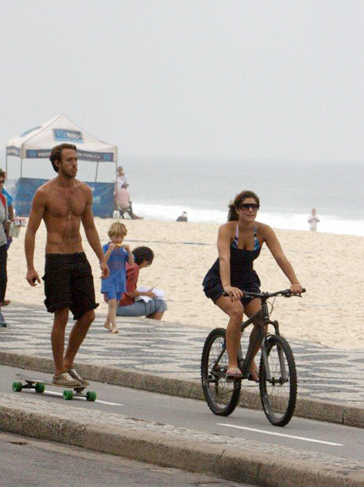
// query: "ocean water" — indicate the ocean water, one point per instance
point(162, 189)
point(287, 191)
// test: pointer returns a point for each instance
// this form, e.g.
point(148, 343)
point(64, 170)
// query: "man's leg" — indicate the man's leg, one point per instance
point(77, 336)
point(57, 339)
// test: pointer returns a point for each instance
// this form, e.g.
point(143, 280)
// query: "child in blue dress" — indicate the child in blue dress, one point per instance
point(116, 255)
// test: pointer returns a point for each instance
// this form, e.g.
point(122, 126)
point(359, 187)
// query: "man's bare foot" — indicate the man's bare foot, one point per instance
point(108, 326)
point(114, 329)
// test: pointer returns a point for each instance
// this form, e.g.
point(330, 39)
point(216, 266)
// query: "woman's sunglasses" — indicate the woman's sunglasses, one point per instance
point(247, 206)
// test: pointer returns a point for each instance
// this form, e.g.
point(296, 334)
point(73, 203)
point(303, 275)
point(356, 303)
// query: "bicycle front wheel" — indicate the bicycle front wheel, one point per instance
point(278, 384)
point(221, 396)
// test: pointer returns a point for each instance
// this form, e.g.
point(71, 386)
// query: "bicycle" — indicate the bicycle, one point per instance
point(277, 369)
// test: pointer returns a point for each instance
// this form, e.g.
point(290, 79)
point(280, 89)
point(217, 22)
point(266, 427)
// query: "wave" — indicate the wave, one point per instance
point(283, 221)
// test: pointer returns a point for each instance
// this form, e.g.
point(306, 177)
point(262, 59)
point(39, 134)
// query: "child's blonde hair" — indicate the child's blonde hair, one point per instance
point(117, 229)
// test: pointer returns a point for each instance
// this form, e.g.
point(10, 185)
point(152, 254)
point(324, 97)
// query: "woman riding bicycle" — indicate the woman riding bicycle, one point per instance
point(239, 243)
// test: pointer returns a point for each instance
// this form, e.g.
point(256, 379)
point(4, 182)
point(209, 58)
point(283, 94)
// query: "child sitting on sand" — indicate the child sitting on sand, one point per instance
point(116, 255)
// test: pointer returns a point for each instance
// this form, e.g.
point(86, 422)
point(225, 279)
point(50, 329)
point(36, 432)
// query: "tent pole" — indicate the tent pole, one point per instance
point(97, 170)
point(21, 167)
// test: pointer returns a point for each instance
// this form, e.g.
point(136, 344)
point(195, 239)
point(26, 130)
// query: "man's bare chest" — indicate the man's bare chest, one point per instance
point(66, 203)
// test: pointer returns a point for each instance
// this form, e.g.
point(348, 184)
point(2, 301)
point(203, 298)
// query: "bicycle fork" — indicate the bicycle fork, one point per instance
point(282, 366)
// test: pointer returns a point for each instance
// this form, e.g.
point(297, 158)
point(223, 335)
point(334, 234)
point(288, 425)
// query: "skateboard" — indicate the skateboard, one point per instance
point(39, 386)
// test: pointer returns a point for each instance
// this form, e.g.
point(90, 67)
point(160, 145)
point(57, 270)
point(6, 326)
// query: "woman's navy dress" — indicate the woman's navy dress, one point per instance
point(242, 274)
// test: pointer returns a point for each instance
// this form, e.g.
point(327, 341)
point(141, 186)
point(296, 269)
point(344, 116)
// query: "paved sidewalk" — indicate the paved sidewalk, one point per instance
point(172, 350)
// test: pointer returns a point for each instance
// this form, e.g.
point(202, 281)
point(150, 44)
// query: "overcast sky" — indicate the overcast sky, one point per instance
point(248, 79)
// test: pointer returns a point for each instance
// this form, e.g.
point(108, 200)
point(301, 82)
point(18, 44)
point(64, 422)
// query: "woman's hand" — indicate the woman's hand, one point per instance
point(296, 289)
point(234, 292)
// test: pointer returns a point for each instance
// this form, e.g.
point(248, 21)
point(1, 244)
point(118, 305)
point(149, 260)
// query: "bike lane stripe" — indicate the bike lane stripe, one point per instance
point(280, 434)
point(51, 393)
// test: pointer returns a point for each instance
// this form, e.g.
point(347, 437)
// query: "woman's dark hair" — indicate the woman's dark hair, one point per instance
point(56, 154)
point(235, 205)
point(143, 253)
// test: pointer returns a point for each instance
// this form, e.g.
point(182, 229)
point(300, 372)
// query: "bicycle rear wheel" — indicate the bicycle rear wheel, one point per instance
point(278, 394)
point(221, 396)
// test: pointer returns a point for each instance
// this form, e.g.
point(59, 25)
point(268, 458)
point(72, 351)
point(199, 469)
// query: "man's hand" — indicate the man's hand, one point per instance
point(32, 277)
point(105, 271)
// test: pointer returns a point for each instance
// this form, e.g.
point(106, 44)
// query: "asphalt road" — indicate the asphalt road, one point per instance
point(25, 462)
point(300, 434)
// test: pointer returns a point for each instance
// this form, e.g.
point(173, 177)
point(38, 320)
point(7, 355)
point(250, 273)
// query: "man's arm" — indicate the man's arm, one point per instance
point(92, 235)
point(35, 217)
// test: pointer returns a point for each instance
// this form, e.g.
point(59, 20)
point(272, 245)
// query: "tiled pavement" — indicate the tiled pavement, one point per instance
point(175, 350)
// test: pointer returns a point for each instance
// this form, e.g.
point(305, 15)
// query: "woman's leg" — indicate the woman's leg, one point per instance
point(235, 310)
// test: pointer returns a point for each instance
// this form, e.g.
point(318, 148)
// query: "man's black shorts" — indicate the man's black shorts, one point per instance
point(68, 283)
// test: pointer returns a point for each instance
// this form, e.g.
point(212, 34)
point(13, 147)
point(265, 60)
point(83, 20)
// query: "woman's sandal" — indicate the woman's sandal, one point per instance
point(233, 373)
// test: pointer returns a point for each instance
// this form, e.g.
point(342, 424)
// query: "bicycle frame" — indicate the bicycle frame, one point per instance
point(244, 364)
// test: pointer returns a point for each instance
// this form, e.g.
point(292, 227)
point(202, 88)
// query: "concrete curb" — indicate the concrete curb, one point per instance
point(306, 408)
point(172, 447)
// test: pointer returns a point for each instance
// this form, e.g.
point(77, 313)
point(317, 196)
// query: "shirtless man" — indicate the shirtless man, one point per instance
point(63, 203)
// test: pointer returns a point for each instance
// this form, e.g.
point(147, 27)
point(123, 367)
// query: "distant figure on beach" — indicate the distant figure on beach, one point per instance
point(239, 243)
point(117, 254)
point(124, 204)
point(129, 305)
point(313, 220)
point(183, 217)
point(63, 203)
point(9, 199)
point(121, 179)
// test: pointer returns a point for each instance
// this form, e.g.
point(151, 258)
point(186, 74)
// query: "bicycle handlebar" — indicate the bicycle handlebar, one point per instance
point(287, 293)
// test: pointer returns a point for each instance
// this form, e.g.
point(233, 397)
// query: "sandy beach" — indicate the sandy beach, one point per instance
point(329, 266)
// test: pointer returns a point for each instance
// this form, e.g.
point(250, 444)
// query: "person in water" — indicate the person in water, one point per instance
point(239, 243)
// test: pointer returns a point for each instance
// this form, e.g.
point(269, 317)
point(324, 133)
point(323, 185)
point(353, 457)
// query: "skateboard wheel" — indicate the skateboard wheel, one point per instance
point(91, 396)
point(67, 395)
point(17, 386)
point(40, 388)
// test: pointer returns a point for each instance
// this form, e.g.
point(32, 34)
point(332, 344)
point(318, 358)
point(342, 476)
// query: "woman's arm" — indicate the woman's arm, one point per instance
point(276, 250)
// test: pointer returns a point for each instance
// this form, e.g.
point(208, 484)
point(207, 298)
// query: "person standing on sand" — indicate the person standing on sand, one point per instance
point(313, 220)
point(63, 203)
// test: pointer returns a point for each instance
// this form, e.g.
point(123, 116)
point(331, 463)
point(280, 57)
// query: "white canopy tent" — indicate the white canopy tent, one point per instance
point(38, 142)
